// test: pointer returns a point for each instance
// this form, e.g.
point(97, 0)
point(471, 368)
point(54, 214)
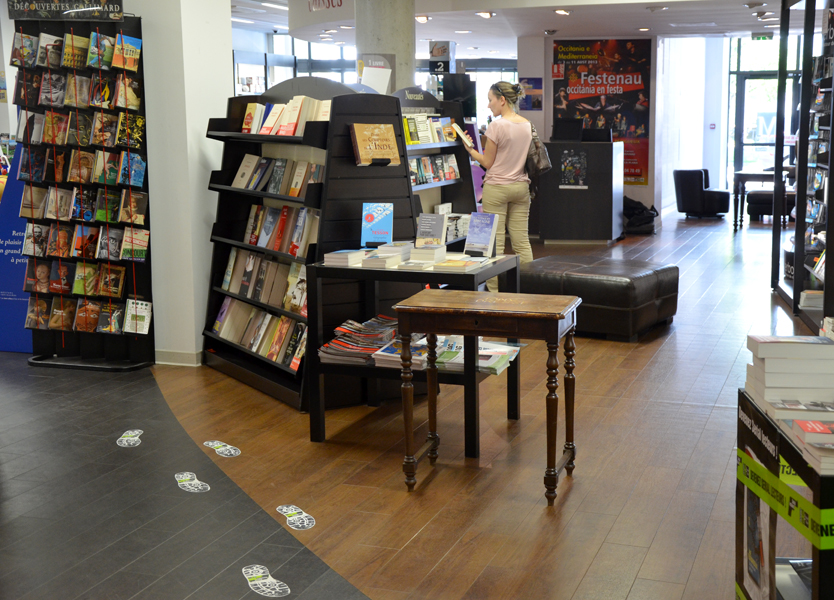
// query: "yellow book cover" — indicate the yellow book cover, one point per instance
point(374, 141)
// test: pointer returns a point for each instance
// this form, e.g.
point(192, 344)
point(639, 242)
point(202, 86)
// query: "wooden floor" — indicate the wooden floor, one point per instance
point(649, 512)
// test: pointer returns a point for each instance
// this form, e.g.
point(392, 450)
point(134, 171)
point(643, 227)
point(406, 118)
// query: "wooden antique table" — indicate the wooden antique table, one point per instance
point(473, 314)
point(740, 179)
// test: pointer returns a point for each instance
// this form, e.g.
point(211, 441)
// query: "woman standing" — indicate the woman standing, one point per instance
point(506, 185)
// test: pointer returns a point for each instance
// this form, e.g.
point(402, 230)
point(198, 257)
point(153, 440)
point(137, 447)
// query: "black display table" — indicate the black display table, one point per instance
point(315, 371)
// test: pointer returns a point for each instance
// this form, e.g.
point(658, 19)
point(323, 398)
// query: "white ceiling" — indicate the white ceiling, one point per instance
point(682, 18)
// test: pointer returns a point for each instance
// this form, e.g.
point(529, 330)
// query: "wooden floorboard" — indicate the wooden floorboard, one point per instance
point(648, 514)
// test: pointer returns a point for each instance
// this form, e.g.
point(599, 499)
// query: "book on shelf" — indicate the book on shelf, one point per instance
point(252, 117)
point(30, 127)
point(86, 279)
point(38, 274)
point(76, 49)
point(137, 317)
point(295, 299)
point(245, 171)
point(374, 142)
point(24, 50)
point(431, 230)
point(102, 90)
point(132, 169)
point(50, 51)
point(80, 129)
point(126, 52)
point(32, 202)
point(230, 267)
point(87, 315)
point(251, 263)
point(110, 243)
point(299, 176)
point(105, 127)
point(55, 128)
point(27, 88)
point(280, 339)
point(63, 313)
point(377, 223)
point(300, 350)
point(133, 207)
point(35, 240)
point(100, 53)
point(61, 277)
point(111, 319)
point(814, 431)
point(60, 240)
point(37, 314)
point(480, 238)
point(128, 92)
point(57, 164)
point(32, 165)
point(85, 241)
point(78, 91)
point(58, 204)
point(111, 280)
point(221, 315)
point(457, 227)
point(276, 177)
point(260, 176)
point(106, 170)
point(289, 120)
point(82, 165)
point(131, 131)
point(271, 119)
point(135, 244)
point(107, 206)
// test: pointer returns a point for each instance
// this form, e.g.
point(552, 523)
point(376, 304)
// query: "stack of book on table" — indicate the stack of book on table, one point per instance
point(493, 357)
point(346, 258)
point(355, 343)
point(388, 255)
point(792, 380)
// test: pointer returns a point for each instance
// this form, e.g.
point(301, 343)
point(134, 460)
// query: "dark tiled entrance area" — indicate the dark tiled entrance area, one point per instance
point(81, 517)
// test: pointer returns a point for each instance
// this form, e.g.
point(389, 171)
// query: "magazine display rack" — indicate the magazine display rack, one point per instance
point(460, 193)
point(339, 199)
point(59, 160)
point(773, 479)
point(813, 167)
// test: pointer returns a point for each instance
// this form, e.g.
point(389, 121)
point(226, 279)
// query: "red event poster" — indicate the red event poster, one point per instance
point(607, 85)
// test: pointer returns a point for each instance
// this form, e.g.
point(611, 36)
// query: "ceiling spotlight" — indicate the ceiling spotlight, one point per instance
point(347, 26)
point(655, 9)
point(236, 20)
point(763, 13)
point(754, 4)
point(278, 6)
point(330, 30)
point(550, 31)
point(485, 15)
point(340, 43)
point(463, 31)
point(643, 29)
point(769, 19)
point(493, 51)
point(562, 11)
point(422, 18)
point(472, 48)
point(325, 36)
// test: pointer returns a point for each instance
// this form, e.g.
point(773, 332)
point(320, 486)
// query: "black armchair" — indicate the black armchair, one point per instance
point(694, 196)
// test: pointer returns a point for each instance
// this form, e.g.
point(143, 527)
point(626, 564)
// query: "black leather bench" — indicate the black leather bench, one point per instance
point(620, 298)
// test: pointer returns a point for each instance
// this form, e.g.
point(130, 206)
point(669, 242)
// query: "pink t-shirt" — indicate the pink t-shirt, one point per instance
point(513, 141)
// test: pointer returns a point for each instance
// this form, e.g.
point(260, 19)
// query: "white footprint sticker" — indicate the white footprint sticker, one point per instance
point(188, 481)
point(223, 449)
point(130, 438)
point(261, 582)
point(296, 518)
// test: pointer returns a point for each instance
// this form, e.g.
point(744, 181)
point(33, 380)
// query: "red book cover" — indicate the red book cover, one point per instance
point(816, 426)
point(282, 224)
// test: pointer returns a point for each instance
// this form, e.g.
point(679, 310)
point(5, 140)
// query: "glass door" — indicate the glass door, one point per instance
point(755, 123)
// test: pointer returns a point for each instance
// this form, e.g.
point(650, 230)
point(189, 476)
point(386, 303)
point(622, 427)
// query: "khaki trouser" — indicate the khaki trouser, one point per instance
point(511, 202)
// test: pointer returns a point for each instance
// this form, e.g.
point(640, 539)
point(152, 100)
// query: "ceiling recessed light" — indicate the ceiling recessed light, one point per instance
point(347, 26)
point(340, 43)
point(278, 6)
point(656, 8)
point(485, 15)
point(764, 13)
point(754, 4)
point(463, 31)
point(472, 48)
point(643, 29)
point(493, 51)
point(236, 20)
point(330, 30)
point(422, 18)
point(562, 11)
point(550, 31)
point(426, 40)
point(769, 19)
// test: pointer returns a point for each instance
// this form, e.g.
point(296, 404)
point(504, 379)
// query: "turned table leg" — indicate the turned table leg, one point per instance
point(570, 391)
point(409, 464)
point(431, 379)
point(551, 475)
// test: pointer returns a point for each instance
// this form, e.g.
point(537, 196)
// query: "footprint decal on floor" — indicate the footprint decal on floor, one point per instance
point(188, 481)
point(223, 449)
point(261, 582)
point(130, 438)
point(296, 518)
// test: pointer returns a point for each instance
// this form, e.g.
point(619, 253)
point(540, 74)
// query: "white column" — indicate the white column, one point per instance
point(187, 54)
point(531, 63)
point(387, 27)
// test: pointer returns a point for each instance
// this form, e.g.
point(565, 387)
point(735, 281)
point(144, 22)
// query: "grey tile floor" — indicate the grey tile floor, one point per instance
point(81, 517)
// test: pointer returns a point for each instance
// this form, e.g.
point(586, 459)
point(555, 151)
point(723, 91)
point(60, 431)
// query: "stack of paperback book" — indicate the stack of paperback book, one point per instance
point(355, 343)
point(346, 258)
point(389, 355)
point(493, 357)
point(792, 380)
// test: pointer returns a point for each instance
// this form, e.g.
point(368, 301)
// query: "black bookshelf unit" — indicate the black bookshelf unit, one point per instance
point(70, 348)
point(813, 162)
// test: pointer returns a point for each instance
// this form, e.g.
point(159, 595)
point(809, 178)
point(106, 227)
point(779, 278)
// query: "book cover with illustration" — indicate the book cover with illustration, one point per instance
point(132, 169)
point(27, 88)
point(374, 141)
point(104, 130)
point(480, 240)
point(63, 313)
point(37, 314)
point(377, 223)
point(38, 274)
point(78, 91)
point(128, 92)
point(110, 243)
point(80, 129)
point(83, 204)
point(86, 279)
point(133, 208)
point(574, 165)
point(50, 51)
point(87, 315)
point(126, 53)
point(107, 206)
point(111, 319)
point(111, 280)
point(75, 51)
point(24, 50)
point(102, 90)
point(100, 54)
point(61, 276)
point(131, 131)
